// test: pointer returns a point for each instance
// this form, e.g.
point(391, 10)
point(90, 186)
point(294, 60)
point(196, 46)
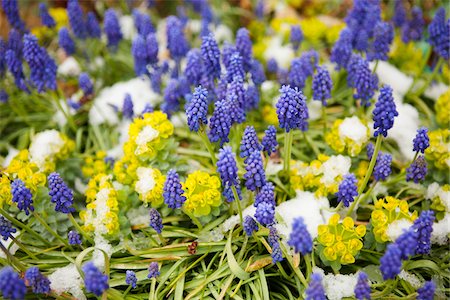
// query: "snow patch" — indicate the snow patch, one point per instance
point(314, 110)
point(12, 152)
point(336, 165)
point(390, 75)
point(127, 27)
point(44, 146)
point(146, 180)
point(354, 129)
point(69, 67)
point(282, 54)
point(8, 243)
point(337, 286)
point(411, 278)
point(441, 231)
point(396, 228)
point(67, 279)
point(102, 247)
point(432, 191)
point(138, 216)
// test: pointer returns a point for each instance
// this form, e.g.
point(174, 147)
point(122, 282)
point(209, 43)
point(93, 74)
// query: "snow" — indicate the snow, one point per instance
point(411, 278)
point(436, 90)
point(138, 216)
point(314, 110)
point(12, 152)
point(146, 181)
point(44, 146)
point(127, 27)
point(223, 33)
point(179, 119)
point(441, 231)
point(69, 67)
point(282, 54)
point(102, 247)
point(80, 186)
point(396, 228)
point(432, 191)
point(336, 165)
point(353, 129)
point(273, 167)
point(8, 243)
point(380, 189)
point(337, 286)
point(146, 135)
point(102, 110)
point(390, 75)
point(67, 279)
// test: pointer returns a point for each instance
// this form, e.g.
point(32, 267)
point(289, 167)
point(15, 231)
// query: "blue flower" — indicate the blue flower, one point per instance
point(220, 122)
point(265, 213)
point(297, 76)
point(194, 66)
point(259, 9)
point(362, 288)
point(412, 29)
point(322, 85)
point(439, 34)
point(370, 149)
point(60, 194)
point(423, 225)
point(211, 56)
point(74, 238)
point(11, 285)
point(342, 49)
point(143, 23)
point(46, 19)
point(421, 141)
point(292, 110)
point(407, 243)
point(249, 142)
point(266, 194)
point(255, 176)
point(176, 41)
point(257, 72)
point(85, 84)
point(4, 97)
point(391, 262)
point(235, 67)
point(355, 60)
point(382, 167)
point(308, 62)
point(399, 17)
point(228, 193)
point(38, 282)
point(197, 109)
point(315, 290)
point(130, 278)
point(384, 112)
point(417, 170)
point(140, 55)
point(227, 51)
point(22, 196)
point(92, 26)
point(173, 190)
point(283, 76)
point(171, 97)
point(227, 168)
point(127, 107)
point(236, 94)
point(14, 64)
point(251, 97)
point(274, 242)
point(383, 37)
point(365, 82)
point(272, 66)
point(296, 36)
point(11, 9)
point(244, 46)
point(6, 228)
point(250, 225)
point(112, 28)
point(94, 280)
point(65, 41)
point(153, 270)
point(300, 238)
point(348, 190)
point(76, 19)
point(361, 19)
point(3, 48)
point(152, 49)
point(156, 220)
point(269, 141)
point(426, 292)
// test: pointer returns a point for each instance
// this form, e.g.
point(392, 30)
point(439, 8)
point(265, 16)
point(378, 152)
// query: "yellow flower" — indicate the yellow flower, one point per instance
point(5, 190)
point(21, 167)
point(442, 108)
point(94, 164)
point(150, 185)
point(60, 16)
point(313, 29)
point(341, 240)
point(340, 139)
point(439, 150)
point(387, 211)
point(202, 191)
point(406, 56)
point(438, 202)
point(332, 33)
point(269, 114)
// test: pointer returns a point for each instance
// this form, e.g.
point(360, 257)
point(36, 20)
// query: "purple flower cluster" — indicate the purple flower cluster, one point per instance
point(197, 109)
point(249, 142)
point(322, 85)
point(255, 177)
point(60, 193)
point(384, 112)
point(300, 238)
point(315, 290)
point(362, 288)
point(173, 191)
point(227, 168)
point(250, 225)
point(292, 110)
point(37, 281)
point(220, 122)
point(348, 190)
point(156, 220)
point(94, 280)
point(269, 141)
point(22, 196)
point(417, 170)
point(439, 34)
point(6, 228)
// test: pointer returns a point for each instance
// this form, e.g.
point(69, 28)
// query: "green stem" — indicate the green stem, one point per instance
point(238, 202)
point(311, 145)
point(151, 294)
point(207, 143)
point(376, 66)
point(324, 117)
point(194, 219)
point(80, 230)
point(49, 229)
point(162, 239)
point(295, 269)
point(368, 174)
point(432, 76)
point(22, 247)
point(14, 260)
point(23, 226)
point(287, 151)
point(126, 291)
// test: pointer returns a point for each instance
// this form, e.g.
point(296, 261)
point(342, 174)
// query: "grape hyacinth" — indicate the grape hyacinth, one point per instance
point(426, 292)
point(235, 109)
point(250, 225)
point(342, 49)
point(383, 37)
point(76, 19)
point(421, 141)
point(297, 76)
point(156, 220)
point(407, 243)
point(46, 19)
point(235, 67)
point(227, 168)
point(384, 112)
point(85, 84)
point(236, 89)
point(11, 285)
point(365, 82)
point(439, 34)
point(3, 48)
point(244, 46)
point(140, 55)
point(22, 196)
point(11, 9)
point(362, 288)
point(37, 281)
point(382, 167)
point(92, 26)
point(322, 85)
point(65, 41)
point(272, 66)
point(112, 29)
point(194, 66)
point(300, 239)
point(60, 194)
point(274, 242)
point(4, 97)
point(399, 17)
point(417, 170)
point(173, 191)
point(130, 278)
point(249, 142)
point(153, 270)
point(269, 141)
point(6, 228)
point(292, 110)
point(257, 72)
point(423, 225)
point(176, 41)
point(348, 190)
point(211, 56)
point(74, 238)
point(228, 193)
point(296, 36)
point(391, 263)
point(227, 51)
point(197, 109)
point(220, 122)
point(252, 97)
point(94, 280)
point(265, 213)
point(315, 290)
point(14, 64)
point(171, 97)
point(127, 107)
point(143, 23)
point(266, 194)
point(255, 178)
point(412, 29)
point(355, 60)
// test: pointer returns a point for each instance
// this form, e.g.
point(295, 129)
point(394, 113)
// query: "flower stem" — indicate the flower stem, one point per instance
point(238, 202)
point(287, 151)
point(208, 145)
point(23, 226)
point(324, 117)
point(368, 174)
point(49, 229)
point(194, 219)
point(432, 76)
point(14, 260)
point(22, 247)
point(79, 229)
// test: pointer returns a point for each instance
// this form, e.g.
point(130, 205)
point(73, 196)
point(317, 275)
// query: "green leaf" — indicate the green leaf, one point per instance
point(233, 264)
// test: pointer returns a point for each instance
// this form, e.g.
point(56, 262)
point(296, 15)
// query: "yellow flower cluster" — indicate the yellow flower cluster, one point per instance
point(405, 56)
point(342, 241)
point(315, 176)
point(438, 204)
point(439, 150)
point(94, 164)
point(386, 211)
point(202, 191)
point(61, 20)
point(442, 108)
point(150, 185)
point(101, 214)
point(269, 114)
point(340, 142)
